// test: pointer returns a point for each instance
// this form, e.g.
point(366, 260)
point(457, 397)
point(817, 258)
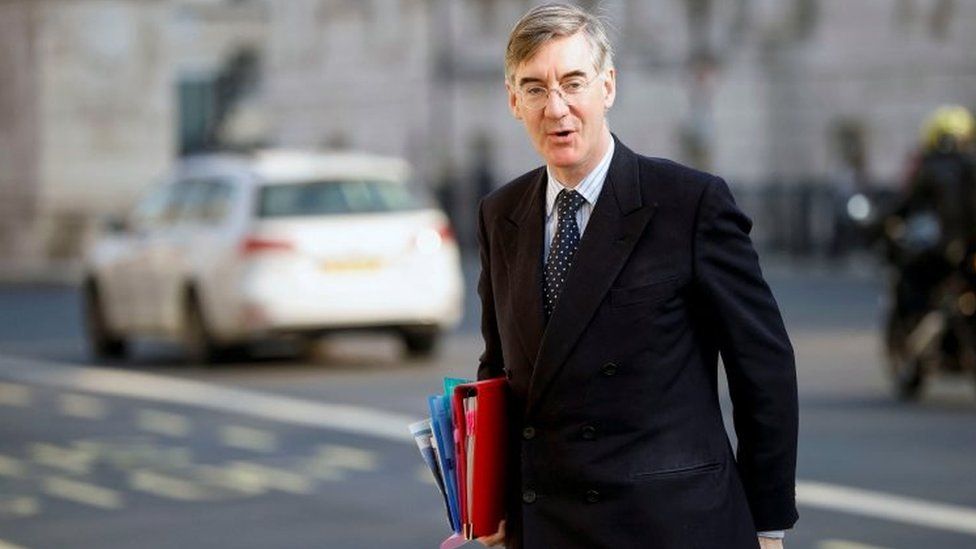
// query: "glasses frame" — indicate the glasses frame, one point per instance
point(560, 92)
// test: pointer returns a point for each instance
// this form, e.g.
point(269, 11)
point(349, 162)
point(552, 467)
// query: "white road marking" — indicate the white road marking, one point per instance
point(82, 406)
point(247, 438)
point(11, 467)
point(854, 501)
point(157, 388)
point(12, 394)
point(163, 423)
point(81, 492)
point(844, 544)
point(72, 460)
point(391, 426)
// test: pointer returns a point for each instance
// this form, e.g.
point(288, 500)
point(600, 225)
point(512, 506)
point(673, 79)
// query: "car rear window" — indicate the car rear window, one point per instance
point(336, 197)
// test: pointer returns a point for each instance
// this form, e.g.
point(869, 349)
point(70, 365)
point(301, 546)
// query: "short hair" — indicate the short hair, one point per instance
point(550, 21)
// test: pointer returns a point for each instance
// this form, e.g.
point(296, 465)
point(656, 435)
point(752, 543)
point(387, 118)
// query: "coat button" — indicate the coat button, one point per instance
point(528, 433)
point(609, 369)
point(592, 496)
point(528, 496)
point(589, 432)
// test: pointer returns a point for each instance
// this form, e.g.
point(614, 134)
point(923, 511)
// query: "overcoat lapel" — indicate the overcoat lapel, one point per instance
point(616, 223)
point(526, 229)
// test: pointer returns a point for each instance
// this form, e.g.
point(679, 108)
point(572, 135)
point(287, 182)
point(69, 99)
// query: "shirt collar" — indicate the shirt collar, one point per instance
point(589, 187)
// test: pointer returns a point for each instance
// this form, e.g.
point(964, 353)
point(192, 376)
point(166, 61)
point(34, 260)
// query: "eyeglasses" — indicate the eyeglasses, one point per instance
point(536, 96)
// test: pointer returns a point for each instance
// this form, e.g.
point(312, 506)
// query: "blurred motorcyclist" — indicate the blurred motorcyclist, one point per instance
point(931, 233)
point(937, 217)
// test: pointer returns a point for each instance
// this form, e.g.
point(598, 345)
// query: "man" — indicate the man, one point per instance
point(610, 283)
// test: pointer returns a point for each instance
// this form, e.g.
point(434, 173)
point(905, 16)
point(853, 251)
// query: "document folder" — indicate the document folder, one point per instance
point(480, 411)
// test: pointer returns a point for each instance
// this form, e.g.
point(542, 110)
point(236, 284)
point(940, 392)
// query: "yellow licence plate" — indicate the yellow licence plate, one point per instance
point(345, 265)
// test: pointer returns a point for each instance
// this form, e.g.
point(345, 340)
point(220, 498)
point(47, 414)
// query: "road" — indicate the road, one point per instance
point(283, 452)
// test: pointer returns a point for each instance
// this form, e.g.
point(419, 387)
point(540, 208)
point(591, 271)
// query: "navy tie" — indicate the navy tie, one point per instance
point(563, 248)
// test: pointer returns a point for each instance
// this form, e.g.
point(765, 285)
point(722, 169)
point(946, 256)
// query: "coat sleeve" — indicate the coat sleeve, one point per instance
point(757, 355)
point(490, 363)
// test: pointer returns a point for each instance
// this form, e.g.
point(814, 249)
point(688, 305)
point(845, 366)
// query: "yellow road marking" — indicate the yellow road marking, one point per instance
point(18, 506)
point(11, 467)
point(348, 457)
point(163, 423)
point(13, 394)
point(273, 477)
point(247, 438)
point(82, 406)
point(82, 492)
point(237, 480)
point(73, 460)
point(168, 486)
point(7, 545)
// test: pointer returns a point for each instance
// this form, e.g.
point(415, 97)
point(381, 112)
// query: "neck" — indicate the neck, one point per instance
point(571, 176)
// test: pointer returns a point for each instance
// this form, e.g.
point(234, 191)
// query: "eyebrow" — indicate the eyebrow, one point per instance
point(531, 80)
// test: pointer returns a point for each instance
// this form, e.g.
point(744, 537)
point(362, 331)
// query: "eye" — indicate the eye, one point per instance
point(573, 85)
point(534, 91)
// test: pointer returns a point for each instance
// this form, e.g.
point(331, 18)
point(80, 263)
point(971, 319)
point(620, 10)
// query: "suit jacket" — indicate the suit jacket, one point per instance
point(618, 438)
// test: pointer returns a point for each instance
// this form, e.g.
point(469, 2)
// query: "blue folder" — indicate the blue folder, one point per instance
point(443, 427)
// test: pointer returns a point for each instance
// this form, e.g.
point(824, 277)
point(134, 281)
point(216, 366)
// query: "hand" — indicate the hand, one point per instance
point(498, 538)
point(770, 543)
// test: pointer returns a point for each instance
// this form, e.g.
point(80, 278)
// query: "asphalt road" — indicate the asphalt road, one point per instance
point(281, 452)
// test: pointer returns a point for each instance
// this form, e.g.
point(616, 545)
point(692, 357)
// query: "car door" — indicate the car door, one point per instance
point(187, 252)
point(166, 264)
point(134, 266)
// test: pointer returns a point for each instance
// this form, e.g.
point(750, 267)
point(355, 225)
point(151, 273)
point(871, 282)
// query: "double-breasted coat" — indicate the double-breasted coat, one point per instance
point(618, 437)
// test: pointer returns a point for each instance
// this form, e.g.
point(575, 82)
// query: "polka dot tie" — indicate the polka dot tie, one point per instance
point(563, 248)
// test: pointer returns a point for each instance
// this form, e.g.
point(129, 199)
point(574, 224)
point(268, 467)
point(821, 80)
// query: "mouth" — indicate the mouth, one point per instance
point(563, 133)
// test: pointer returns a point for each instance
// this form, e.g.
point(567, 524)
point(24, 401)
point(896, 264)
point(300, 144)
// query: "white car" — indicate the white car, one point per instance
point(230, 249)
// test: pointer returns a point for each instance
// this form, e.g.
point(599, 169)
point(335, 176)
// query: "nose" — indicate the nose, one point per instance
point(556, 106)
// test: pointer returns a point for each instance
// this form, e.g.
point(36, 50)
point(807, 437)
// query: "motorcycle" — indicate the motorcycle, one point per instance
point(930, 322)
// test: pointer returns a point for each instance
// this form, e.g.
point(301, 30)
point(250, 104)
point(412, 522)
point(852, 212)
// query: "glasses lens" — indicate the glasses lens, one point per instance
point(536, 97)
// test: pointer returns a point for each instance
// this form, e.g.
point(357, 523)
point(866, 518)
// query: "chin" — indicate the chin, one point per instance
point(562, 158)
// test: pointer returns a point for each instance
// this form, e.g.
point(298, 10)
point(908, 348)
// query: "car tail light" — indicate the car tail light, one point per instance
point(446, 232)
point(255, 245)
point(431, 239)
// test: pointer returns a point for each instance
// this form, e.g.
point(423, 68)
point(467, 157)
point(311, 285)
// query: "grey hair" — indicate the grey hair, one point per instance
point(550, 21)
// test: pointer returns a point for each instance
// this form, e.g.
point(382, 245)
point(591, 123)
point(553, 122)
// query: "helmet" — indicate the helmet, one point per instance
point(949, 127)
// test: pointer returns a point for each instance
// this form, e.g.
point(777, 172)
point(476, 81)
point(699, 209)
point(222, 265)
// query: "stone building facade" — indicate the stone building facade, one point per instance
point(98, 96)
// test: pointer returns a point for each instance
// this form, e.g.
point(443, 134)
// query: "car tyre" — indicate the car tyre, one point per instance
point(103, 343)
point(198, 342)
point(420, 342)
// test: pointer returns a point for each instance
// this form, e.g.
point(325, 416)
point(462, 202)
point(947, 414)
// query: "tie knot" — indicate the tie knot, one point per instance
point(569, 201)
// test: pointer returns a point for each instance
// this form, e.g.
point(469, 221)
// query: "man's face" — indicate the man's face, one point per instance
point(571, 138)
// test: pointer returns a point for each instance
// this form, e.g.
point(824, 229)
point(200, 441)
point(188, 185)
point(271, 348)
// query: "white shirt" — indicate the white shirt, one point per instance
point(589, 188)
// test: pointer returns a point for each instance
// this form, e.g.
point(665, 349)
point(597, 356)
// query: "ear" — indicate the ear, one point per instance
point(610, 88)
point(513, 101)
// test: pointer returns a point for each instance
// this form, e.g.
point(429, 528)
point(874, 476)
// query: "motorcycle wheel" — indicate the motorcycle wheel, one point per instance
point(904, 370)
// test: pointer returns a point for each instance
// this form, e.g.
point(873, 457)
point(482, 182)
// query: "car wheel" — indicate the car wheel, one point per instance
point(102, 342)
point(419, 342)
point(904, 369)
point(198, 343)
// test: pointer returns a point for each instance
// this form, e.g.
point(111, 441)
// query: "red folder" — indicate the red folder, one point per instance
point(480, 412)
